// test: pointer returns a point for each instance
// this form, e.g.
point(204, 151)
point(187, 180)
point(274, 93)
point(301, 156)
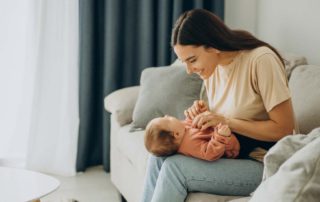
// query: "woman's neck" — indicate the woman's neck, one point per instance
point(227, 57)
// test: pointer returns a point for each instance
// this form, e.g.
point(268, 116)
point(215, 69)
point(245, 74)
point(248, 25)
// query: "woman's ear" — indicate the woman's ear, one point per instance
point(213, 50)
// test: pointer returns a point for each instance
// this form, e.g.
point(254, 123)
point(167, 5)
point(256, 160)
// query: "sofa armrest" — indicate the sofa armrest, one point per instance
point(121, 103)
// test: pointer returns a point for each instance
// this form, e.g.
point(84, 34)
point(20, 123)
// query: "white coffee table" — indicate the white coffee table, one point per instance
point(19, 185)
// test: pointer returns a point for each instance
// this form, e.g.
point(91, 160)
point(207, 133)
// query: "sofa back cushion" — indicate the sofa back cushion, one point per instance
point(291, 61)
point(165, 90)
point(305, 89)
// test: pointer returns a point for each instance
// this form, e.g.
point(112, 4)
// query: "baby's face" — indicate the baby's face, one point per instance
point(171, 124)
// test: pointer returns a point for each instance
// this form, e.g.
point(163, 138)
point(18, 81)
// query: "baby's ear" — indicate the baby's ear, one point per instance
point(175, 134)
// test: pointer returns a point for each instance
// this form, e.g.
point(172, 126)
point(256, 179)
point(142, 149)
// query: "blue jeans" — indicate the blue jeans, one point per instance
point(172, 178)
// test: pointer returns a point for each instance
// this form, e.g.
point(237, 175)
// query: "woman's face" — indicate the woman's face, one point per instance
point(199, 60)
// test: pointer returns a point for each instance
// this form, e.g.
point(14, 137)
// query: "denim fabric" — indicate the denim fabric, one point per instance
point(170, 179)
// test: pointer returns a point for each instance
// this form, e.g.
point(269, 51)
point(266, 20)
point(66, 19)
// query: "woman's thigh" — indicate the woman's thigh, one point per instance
point(223, 176)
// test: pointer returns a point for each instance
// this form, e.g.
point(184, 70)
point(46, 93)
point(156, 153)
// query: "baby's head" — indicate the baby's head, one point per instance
point(163, 135)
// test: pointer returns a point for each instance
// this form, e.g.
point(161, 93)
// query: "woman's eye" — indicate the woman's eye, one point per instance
point(193, 61)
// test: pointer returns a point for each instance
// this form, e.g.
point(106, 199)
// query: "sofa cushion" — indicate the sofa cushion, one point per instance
point(291, 61)
point(131, 145)
point(165, 90)
point(304, 85)
point(297, 179)
point(203, 197)
point(121, 103)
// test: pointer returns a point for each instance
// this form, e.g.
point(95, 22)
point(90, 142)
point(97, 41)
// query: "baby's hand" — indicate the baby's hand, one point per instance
point(222, 133)
point(222, 139)
point(223, 130)
point(198, 107)
point(233, 148)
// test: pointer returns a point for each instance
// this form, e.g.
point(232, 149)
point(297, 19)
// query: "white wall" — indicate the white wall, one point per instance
point(241, 14)
point(289, 25)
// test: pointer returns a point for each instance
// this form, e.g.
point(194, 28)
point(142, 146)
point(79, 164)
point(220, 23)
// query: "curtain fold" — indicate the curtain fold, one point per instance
point(118, 39)
point(51, 87)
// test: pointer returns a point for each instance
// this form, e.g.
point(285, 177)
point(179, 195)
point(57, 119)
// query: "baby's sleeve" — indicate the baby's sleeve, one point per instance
point(211, 150)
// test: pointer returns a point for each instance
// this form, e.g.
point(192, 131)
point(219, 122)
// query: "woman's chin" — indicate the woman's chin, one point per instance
point(204, 74)
point(203, 77)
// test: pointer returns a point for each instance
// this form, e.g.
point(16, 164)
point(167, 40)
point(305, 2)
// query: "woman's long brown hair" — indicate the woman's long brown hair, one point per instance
point(200, 27)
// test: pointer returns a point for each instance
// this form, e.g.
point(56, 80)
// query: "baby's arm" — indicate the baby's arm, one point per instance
point(233, 148)
point(223, 134)
point(216, 147)
point(198, 107)
point(212, 150)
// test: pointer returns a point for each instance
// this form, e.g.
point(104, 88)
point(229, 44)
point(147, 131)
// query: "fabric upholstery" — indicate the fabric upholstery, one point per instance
point(284, 149)
point(203, 197)
point(123, 170)
point(165, 90)
point(121, 103)
point(297, 178)
point(291, 61)
point(243, 199)
point(305, 89)
point(131, 144)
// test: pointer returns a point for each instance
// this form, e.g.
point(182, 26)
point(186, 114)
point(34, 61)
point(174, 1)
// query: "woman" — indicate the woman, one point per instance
point(247, 89)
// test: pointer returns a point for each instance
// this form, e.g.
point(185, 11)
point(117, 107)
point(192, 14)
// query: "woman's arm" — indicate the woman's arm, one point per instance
point(280, 123)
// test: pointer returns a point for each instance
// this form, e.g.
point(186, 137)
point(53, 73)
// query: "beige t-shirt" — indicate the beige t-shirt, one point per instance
point(249, 87)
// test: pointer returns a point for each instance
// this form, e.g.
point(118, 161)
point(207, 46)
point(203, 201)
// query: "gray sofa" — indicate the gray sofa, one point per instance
point(129, 156)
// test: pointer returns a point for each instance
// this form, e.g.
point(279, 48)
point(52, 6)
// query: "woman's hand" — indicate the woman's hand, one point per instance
point(207, 119)
point(198, 107)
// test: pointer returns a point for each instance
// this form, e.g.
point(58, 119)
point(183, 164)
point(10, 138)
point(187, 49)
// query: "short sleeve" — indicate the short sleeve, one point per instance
point(271, 81)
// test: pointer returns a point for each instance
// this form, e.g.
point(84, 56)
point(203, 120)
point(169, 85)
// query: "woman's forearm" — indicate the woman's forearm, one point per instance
point(259, 130)
point(280, 124)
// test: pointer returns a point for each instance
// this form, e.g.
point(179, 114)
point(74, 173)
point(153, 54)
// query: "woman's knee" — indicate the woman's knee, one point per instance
point(172, 166)
point(172, 176)
point(155, 161)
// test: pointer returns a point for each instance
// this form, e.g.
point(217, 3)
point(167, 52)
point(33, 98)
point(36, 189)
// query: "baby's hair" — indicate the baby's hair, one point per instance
point(159, 142)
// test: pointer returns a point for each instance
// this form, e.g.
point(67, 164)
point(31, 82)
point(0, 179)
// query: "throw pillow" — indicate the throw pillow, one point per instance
point(304, 85)
point(165, 90)
point(297, 178)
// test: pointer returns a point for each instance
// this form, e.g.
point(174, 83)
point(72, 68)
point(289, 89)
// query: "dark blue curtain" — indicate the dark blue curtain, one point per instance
point(118, 39)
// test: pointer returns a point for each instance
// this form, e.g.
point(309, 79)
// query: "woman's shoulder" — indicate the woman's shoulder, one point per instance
point(258, 55)
point(259, 52)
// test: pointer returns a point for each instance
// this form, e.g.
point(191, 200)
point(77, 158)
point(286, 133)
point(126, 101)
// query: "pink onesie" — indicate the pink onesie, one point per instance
point(205, 144)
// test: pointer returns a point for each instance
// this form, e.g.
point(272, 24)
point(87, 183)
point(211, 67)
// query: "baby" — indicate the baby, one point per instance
point(167, 135)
